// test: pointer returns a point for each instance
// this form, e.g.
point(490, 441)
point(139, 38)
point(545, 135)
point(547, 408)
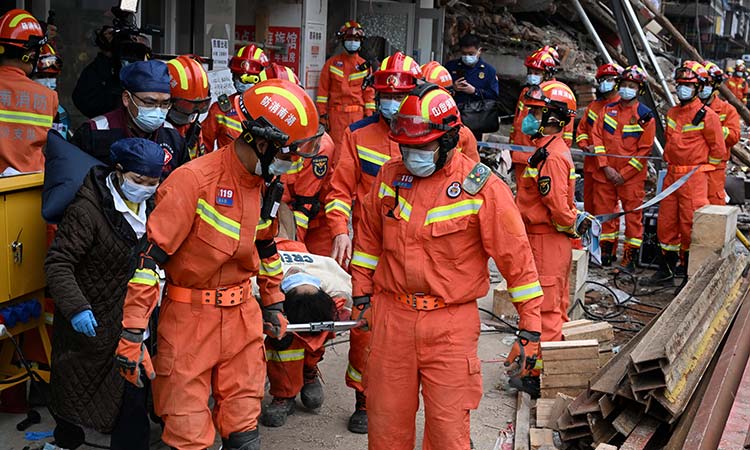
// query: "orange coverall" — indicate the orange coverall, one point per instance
point(548, 216)
point(687, 146)
point(340, 94)
point(628, 130)
point(27, 110)
point(583, 140)
point(730, 126)
point(517, 136)
point(220, 127)
point(430, 239)
point(207, 220)
point(311, 177)
point(738, 87)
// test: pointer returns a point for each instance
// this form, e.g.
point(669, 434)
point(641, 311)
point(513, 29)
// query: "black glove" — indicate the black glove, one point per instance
point(274, 320)
point(361, 311)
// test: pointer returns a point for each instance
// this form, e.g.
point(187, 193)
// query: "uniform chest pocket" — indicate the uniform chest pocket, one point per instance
point(217, 230)
point(447, 241)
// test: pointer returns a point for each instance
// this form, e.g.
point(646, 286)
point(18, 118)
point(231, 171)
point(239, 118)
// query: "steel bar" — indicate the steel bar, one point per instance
point(592, 31)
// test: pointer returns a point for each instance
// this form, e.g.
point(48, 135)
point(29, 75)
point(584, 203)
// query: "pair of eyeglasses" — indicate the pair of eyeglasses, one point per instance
point(151, 104)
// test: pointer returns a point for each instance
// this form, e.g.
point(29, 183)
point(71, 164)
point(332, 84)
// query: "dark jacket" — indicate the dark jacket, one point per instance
point(88, 267)
point(98, 89)
point(482, 76)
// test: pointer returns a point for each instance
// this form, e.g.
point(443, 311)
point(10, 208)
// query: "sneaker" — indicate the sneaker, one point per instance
point(312, 391)
point(358, 420)
point(275, 414)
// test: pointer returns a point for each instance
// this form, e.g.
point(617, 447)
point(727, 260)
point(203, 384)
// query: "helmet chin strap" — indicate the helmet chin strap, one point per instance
point(447, 142)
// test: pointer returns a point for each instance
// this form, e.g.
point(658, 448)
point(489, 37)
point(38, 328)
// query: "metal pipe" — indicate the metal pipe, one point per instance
point(649, 52)
point(590, 28)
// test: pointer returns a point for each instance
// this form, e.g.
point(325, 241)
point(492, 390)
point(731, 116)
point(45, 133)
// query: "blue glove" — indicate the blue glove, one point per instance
point(84, 322)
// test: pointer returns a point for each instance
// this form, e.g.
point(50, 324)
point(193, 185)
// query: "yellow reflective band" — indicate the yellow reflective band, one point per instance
point(670, 247)
point(290, 97)
point(632, 129)
point(301, 219)
point(635, 163)
point(600, 149)
point(263, 225)
point(26, 118)
point(386, 191)
point(568, 135)
point(336, 71)
point(434, 73)
point(671, 123)
point(16, 20)
point(352, 373)
point(204, 75)
point(270, 269)
point(426, 102)
point(573, 174)
point(725, 131)
point(220, 223)
point(229, 123)
point(145, 276)
point(634, 242)
point(180, 72)
point(592, 115)
point(297, 166)
point(525, 292)
point(609, 120)
point(530, 172)
point(321, 99)
point(407, 63)
point(340, 206)
point(563, 228)
point(297, 354)
point(453, 211)
point(369, 105)
point(539, 364)
point(722, 117)
point(365, 260)
point(520, 105)
point(714, 161)
point(581, 137)
point(372, 156)
point(384, 64)
point(608, 236)
point(258, 52)
point(357, 75)
point(690, 127)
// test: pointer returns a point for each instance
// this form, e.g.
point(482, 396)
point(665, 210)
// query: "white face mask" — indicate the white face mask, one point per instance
point(48, 82)
point(135, 192)
point(352, 46)
point(606, 86)
point(242, 87)
point(421, 163)
point(470, 60)
point(533, 79)
point(277, 167)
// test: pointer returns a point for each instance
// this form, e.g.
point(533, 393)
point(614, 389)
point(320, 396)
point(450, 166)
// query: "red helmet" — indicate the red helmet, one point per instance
point(20, 29)
point(350, 29)
point(425, 115)
point(554, 96)
point(609, 69)
point(542, 60)
point(435, 73)
point(634, 73)
point(250, 60)
point(552, 50)
point(283, 113)
point(49, 63)
point(397, 73)
point(281, 72)
point(714, 71)
point(691, 72)
point(188, 84)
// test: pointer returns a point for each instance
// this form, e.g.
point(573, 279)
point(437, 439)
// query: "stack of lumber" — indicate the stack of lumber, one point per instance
point(579, 272)
point(588, 329)
point(568, 366)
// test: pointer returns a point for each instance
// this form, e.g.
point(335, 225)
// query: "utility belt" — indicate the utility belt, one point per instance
point(421, 302)
point(221, 297)
point(347, 108)
point(680, 170)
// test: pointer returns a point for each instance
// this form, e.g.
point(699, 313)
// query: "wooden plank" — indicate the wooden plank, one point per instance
point(552, 392)
point(543, 410)
point(580, 380)
point(587, 366)
point(558, 345)
point(641, 435)
point(540, 437)
point(558, 409)
point(579, 270)
point(576, 323)
point(601, 429)
point(627, 420)
point(601, 331)
point(567, 350)
point(605, 447)
point(523, 416)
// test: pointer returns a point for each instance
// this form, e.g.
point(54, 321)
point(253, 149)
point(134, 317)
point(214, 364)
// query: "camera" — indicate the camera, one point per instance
point(124, 38)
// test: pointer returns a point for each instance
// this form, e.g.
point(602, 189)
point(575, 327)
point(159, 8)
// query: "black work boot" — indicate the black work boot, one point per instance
point(665, 274)
point(312, 391)
point(358, 420)
point(629, 258)
point(606, 247)
point(275, 414)
point(245, 440)
point(681, 270)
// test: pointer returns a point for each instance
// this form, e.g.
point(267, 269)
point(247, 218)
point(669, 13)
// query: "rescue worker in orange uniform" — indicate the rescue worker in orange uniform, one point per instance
point(211, 232)
point(737, 82)
point(431, 221)
point(222, 125)
point(541, 66)
point(341, 100)
point(316, 289)
point(191, 97)
point(27, 108)
point(545, 198)
point(48, 70)
point(606, 93)
point(694, 140)
point(624, 128)
point(730, 126)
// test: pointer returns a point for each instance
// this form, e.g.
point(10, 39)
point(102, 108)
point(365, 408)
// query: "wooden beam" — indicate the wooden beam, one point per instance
point(523, 416)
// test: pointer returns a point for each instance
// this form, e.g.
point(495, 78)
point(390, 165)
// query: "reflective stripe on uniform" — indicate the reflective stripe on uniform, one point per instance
point(725, 131)
point(321, 99)
point(568, 135)
point(530, 172)
point(338, 205)
point(365, 260)
point(370, 105)
point(722, 117)
point(301, 219)
point(525, 292)
point(592, 115)
point(714, 161)
point(581, 137)
point(263, 224)
point(634, 242)
point(372, 156)
point(357, 75)
point(611, 121)
point(608, 236)
point(220, 223)
point(632, 129)
point(405, 207)
point(336, 71)
point(690, 127)
point(25, 118)
point(297, 166)
point(270, 269)
point(453, 211)
point(599, 149)
point(297, 354)
point(229, 123)
point(671, 123)
point(670, 247)
point(573, 175)
point(145, 276)
point(353, 374)
point(635, 163)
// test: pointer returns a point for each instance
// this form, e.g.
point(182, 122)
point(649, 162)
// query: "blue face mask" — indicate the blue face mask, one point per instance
point(135, 192)
point(470, 60)
point(242, 87)
point(606, 86)
point(705, 92)
point(299, 279)
point(533, 79)
point(352, 46)
point(149, 119)
point(48, 82)
point(685, 92)
point(627, 93)
point(389, 107)
point(421, 163)
point(530, 125)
